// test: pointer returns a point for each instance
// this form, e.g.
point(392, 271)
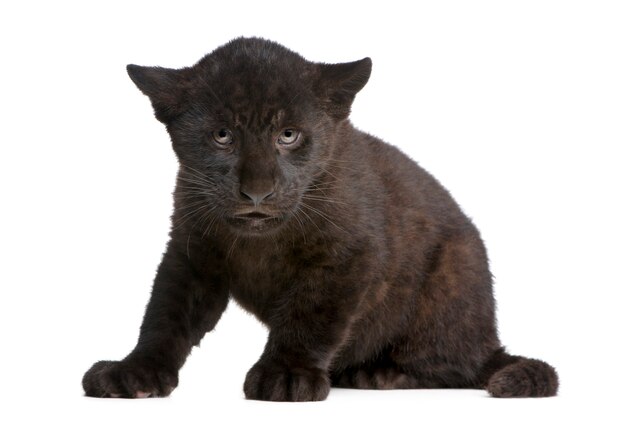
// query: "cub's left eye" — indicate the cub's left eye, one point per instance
point(288, 137)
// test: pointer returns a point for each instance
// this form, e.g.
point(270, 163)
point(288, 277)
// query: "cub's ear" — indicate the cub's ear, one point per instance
point(338, 84)
point(163, 86)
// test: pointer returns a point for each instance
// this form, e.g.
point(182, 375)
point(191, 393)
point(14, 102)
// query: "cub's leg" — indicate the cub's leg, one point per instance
point(453, 333)
point(311, 322)
point(182, 308)
point(453, 342)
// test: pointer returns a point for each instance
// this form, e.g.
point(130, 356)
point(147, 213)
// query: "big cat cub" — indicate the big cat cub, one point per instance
point(364, 269)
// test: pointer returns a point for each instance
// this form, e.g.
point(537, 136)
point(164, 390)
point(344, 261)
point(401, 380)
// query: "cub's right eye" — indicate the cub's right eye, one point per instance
point(222, 137)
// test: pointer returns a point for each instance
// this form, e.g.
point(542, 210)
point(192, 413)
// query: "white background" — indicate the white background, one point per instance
point(517, 107)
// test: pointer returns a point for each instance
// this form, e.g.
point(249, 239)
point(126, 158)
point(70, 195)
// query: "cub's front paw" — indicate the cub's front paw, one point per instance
point(268, 380)
point(128, 379)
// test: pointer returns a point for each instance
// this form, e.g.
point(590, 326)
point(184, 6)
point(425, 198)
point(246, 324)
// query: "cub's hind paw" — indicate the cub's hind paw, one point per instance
point(128, 379)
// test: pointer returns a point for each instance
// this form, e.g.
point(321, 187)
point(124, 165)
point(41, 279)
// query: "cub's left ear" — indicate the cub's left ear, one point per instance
point(338, 84)
point(163, 86)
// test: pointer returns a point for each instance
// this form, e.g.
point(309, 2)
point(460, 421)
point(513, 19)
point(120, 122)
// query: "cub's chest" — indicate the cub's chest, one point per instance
point(259, 279)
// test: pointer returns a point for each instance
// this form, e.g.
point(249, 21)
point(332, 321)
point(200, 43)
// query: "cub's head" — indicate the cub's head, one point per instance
point(252, 124)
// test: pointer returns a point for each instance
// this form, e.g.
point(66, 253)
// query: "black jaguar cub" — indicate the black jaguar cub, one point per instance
point(364, 269)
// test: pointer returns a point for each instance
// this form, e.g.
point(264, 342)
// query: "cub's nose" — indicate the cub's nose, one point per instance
point(255, 196)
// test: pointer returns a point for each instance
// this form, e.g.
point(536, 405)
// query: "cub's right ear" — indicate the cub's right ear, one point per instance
point(163, 86)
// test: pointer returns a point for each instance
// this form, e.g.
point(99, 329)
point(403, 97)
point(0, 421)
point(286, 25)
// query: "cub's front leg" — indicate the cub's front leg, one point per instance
point(309, 326)
point(182, 308)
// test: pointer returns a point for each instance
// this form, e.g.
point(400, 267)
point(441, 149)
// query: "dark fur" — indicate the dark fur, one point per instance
point(368, 275)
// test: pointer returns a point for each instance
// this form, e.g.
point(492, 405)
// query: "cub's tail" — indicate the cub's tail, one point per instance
point(508, 376)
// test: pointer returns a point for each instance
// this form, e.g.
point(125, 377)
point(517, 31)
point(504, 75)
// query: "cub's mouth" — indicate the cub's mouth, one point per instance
point(254, 221)
point(254, 215)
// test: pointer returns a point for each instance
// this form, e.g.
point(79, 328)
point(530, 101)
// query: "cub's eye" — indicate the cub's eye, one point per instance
point(223, 137)
point(288, 137)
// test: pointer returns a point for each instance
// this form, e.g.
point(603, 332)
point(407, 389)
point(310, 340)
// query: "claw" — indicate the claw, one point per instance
point(142, 395)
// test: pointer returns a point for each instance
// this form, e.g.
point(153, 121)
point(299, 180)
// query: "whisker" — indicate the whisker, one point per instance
point(232, 246)
point(340, 160)
point(323, 215)
point(196, 173)
point(310, 219)
point(200, 183)
point(190, 194)
point(207, 231)
point(186, 197)
point(342, 167)
point(320, 188)
point(316, 187)
point(295, 215)
point(327, 171)
point(323, 198)
point(325, 184)
point(211, 221)
point(193, 204)
point(298, 94)
point(183, 219)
